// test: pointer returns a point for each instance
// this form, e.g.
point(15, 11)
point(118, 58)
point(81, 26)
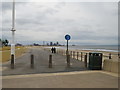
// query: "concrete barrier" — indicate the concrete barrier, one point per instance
point(111, 66)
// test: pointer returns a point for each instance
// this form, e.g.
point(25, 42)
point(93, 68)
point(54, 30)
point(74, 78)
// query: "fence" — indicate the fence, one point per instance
point(78, 55)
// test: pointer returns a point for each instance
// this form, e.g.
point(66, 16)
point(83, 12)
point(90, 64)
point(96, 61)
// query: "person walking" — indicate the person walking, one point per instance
point(52, 50)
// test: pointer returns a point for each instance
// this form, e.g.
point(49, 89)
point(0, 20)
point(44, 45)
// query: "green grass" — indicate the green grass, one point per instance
point(5, 54)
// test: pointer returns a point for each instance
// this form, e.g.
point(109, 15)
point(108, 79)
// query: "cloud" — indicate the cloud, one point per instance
point(87, 23)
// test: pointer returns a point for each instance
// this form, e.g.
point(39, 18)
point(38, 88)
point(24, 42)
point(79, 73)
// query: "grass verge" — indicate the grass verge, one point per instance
point(5, 53)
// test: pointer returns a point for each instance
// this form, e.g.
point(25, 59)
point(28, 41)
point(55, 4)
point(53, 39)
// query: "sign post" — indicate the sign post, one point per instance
point(67, 37)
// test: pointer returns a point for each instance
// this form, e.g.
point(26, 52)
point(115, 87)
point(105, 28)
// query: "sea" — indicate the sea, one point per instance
point(106, 48)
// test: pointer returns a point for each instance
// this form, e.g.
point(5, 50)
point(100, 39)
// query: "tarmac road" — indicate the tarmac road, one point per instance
point(41, 60)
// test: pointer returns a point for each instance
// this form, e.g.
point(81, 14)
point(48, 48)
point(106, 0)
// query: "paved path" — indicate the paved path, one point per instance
point(81, 79)
point(57, 77)
point(22, 64)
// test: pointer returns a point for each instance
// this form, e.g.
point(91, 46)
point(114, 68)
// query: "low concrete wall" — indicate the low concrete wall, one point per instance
point(111, 66)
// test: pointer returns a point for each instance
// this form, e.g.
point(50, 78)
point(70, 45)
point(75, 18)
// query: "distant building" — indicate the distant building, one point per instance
point(57, 43)
point(18, 44)
point(35, 44)
point(47, 44)
point(51, 43)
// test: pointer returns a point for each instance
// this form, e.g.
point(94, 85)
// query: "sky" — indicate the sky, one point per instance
point(88, 23)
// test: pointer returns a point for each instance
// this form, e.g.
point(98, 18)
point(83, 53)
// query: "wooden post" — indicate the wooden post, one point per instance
point(32, 61)
point(12, 61)
point(68, 60)
point(81, 56)
point(77, 55)
point(50, 61)
point(110, 57)
point(85, 61)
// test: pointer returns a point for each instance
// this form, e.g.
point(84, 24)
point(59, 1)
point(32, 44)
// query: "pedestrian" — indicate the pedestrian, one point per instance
point(52, 49)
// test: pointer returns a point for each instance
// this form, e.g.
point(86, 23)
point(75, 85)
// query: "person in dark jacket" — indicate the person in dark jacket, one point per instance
point(52, 49)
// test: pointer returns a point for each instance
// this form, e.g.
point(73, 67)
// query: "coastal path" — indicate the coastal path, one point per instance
point(41, 63)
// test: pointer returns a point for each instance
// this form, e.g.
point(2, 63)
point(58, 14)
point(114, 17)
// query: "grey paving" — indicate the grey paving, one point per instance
point(22, 64)
point(77, 80)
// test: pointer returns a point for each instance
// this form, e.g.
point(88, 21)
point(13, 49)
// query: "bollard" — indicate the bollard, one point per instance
point(66, 52)
point(73, 54)
point(62, 52)
point(50, 61)
point(32, 61)
point(110, 56)
point(68, 60)
point(81, 56)
point(77, 55)
point(85, 61)
point(12, 61)
point(119, 55)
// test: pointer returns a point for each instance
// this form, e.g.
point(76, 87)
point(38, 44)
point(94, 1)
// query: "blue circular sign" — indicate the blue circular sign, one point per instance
point(67, 37)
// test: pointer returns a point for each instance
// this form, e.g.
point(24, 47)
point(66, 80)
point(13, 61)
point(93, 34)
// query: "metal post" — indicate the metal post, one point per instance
point(73, 54)
point(77, 55)
point(32, 61)
point(119, 55)
point(110, 57)
point(68, 60)
point(13, 34)
point(50, 61)
point(85, 60)
point(12, 61)
point(67, 47)
point(81, 56)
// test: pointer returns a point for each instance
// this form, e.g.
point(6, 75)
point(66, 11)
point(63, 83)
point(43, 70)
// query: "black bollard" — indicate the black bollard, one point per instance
point(77, 55)
point(32, 61)
point(50, 61)
point(110, 57)
point(119, 55)
point(85, 61)
point(73, 54)
point(81, 55)
point(68, 60)
point(12, 61)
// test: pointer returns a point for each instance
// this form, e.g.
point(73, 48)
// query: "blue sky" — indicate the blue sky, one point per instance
point(94, 23)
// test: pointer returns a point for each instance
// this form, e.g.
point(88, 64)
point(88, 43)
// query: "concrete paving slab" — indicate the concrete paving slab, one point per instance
point(82, 79)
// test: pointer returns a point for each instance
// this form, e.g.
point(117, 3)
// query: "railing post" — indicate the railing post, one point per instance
point(50, 61)
point(81, 55)
point(12, 61)
point(73, 54)
point(85, 60)
point(119, 55)
point(62, 52)
point(77, 55)
point(68, 60)
point(110, 57)
point(32, 61)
